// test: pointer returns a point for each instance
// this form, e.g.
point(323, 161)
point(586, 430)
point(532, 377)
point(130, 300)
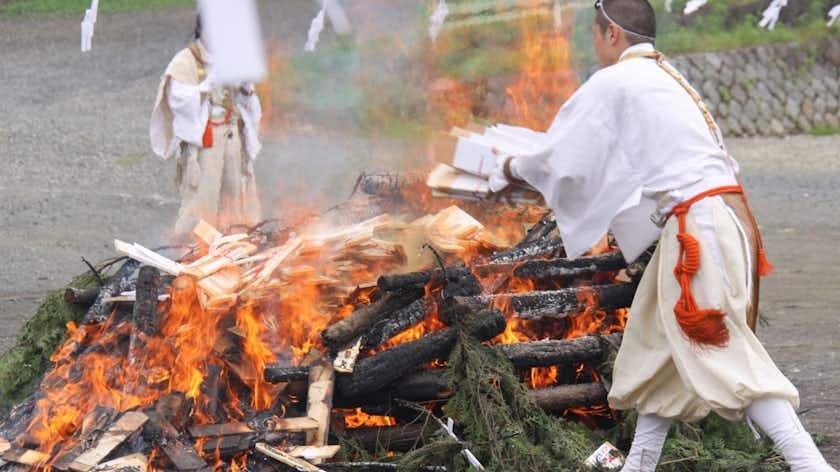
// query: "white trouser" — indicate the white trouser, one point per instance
point(775, 416)
point(651, 431)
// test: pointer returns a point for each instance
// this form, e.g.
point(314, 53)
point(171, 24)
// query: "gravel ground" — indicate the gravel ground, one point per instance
point(77, 173)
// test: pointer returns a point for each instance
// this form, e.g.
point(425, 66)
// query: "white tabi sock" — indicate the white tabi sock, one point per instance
point(651, 431)
point(777, 418)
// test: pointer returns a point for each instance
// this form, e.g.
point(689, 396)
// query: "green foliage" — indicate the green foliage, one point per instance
point(711, 30)
point(499, 422)
point(824, 131)
point(79, 6)
point(23, 365)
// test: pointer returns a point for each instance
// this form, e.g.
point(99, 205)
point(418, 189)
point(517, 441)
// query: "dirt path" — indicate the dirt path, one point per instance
point(77, 172)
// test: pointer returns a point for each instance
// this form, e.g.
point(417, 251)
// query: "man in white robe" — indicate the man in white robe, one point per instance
point(636, 151)
point(212, 131)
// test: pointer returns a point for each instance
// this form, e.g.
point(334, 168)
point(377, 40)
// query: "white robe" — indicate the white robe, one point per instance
point(628, 141)
point(181, 112)
point(631, 141)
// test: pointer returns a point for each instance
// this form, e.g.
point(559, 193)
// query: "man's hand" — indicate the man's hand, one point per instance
point(503, 175)
point(498, 179)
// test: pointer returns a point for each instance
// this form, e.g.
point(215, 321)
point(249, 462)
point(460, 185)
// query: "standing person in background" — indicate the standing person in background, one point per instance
point(212, 131)
point(636, 150)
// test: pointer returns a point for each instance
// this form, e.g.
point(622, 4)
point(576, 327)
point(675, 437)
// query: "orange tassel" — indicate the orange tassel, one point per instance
point(764, 266)
point(207, 139)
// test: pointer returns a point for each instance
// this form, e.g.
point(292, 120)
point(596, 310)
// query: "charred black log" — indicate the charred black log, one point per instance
point(389, 438)
point(557, 303)
point(81, 296)
point(348, 329)
point(376, 372)
point(118, 283)
point(559, 352)
point(570, 268)
point(393, 282)
point(538, 248)
point(145, 306)
point(278, 374)
point(558, 399)
point(422, 386)
point(399, 321)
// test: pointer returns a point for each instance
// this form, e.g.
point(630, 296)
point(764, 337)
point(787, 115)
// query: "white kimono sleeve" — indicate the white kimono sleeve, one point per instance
point(189, 112)
point(583, 173)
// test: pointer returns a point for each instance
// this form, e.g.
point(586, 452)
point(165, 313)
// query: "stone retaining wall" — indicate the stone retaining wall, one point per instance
point(770, 90)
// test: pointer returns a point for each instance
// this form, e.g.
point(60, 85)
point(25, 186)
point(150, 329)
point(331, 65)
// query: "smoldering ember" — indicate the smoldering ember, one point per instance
point(557, 269)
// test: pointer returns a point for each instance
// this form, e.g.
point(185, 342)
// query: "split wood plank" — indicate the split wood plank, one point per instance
point(287, 459)
point(206, 232)
point(319, 400)
point(4, 446)
point(311, 453)
point(148, 257)
point(113, 437)
point(134, 463)
point(25, 457)
point(279, 424)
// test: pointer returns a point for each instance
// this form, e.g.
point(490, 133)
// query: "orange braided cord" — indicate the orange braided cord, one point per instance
point(703, 327)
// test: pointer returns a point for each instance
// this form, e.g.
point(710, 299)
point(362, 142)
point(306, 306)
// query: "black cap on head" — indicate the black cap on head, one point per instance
point(635, 17)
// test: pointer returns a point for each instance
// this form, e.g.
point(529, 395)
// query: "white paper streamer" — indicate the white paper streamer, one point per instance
point(315, 29)
point(833, 14)
point(771, 14)
point(88, 23)
point(450, 430)
point(694, 5)
point(437, 19)
point(669, 5)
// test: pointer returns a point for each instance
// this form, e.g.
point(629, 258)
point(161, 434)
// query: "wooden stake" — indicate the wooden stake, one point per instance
point(319, 400)
point(284, 458)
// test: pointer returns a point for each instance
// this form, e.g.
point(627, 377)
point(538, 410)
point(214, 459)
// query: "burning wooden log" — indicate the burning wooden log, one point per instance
point(145, 306)
point(569, 268)
point(558, 399)
point(346, 330)
point(388, 283)
point(556, 303)
point(378, 371)
point(538, 248)
point(162, 434)
point(112, 437)
point(280, 374)
point(399, 321)
point(558, 352)
point(119, 282)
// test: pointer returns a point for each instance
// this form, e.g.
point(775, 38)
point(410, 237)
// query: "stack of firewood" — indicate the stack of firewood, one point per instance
point(364, 362)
